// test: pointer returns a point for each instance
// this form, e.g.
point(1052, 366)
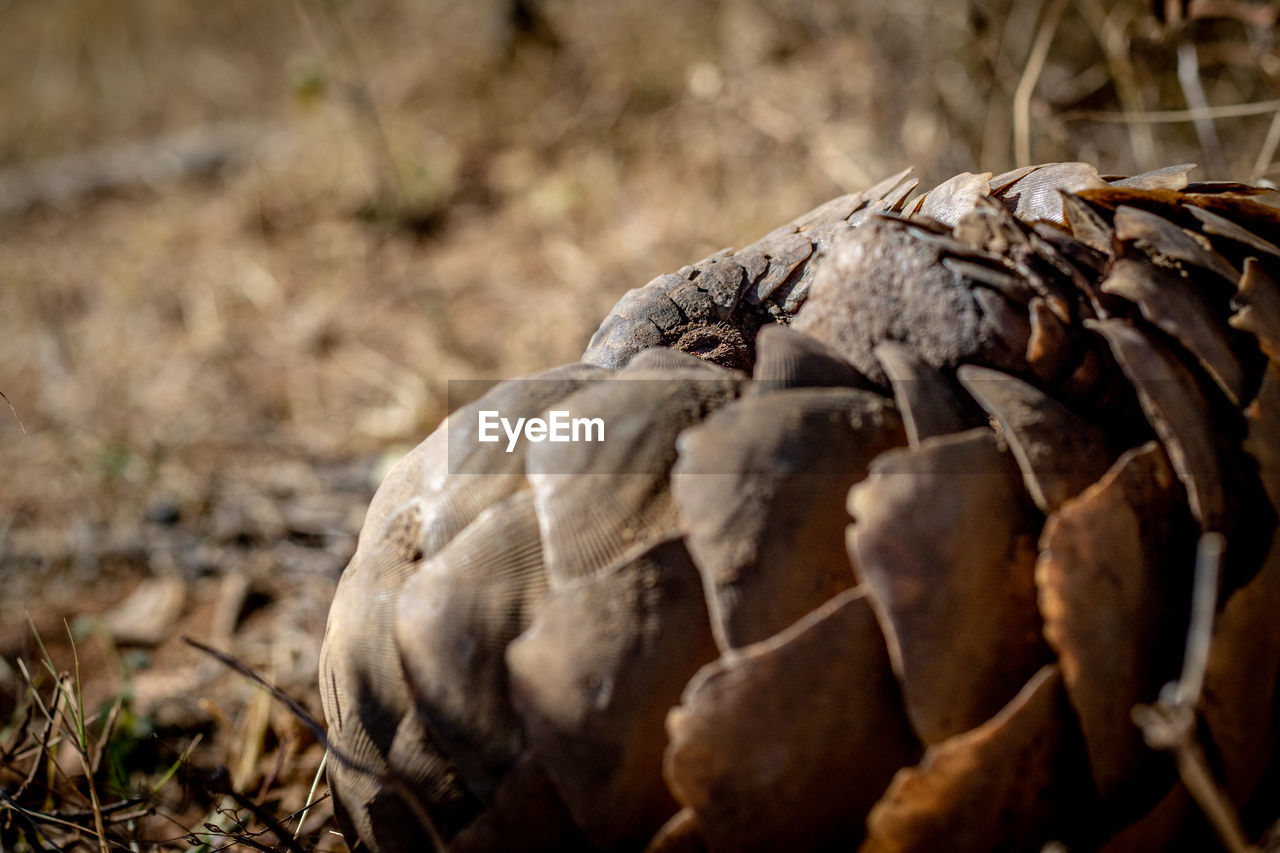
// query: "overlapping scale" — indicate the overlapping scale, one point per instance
point(936, 529)
point(454, 619)
point(1005, 784)
point(930, 401)
point(593, 678)
point(1114, 581)
point(786, 358)
point(372, 711)
point(760, 487)
point(599, 500)
point(1059, 453)
point(787, 743)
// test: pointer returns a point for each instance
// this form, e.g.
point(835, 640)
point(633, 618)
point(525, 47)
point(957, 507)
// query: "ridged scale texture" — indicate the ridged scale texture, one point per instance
point(898, 531)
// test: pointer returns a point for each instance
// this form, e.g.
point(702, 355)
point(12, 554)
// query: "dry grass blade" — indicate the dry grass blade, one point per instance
point(14, 409)
point(66, 708)
point(1169, 725)
point(83, 747)
point(392, 783)
point(46, 736)
point(1268, 150)
point(265, 817)
point(19, 734)
point(1027, 83)
point(1200, 632)
point(311, 794)
point(34, 818)
point(1255, 108)
point(294, 706)
point(1193, 91)
point(332, 33)
point(74, 778)
point(1109, 31)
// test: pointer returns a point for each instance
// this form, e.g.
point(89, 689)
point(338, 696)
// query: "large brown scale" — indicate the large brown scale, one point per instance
point(894, 526)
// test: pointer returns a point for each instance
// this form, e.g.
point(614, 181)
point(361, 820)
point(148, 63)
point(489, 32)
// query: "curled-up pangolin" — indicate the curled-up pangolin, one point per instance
point(892, 526)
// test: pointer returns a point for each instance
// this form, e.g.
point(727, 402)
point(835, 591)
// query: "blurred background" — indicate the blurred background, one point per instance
point(244, 245)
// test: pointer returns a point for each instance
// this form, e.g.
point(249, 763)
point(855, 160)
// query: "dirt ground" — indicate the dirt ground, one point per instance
point(245, 246)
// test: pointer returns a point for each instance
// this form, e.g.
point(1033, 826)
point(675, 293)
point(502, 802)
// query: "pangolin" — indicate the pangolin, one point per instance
point(893, 526)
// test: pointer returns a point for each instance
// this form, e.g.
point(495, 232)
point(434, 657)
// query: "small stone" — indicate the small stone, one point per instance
point(165, 512)
point(150, 613)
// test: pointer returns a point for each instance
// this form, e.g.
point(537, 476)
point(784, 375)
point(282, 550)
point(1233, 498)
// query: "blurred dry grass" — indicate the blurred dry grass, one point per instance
point(214, 340)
